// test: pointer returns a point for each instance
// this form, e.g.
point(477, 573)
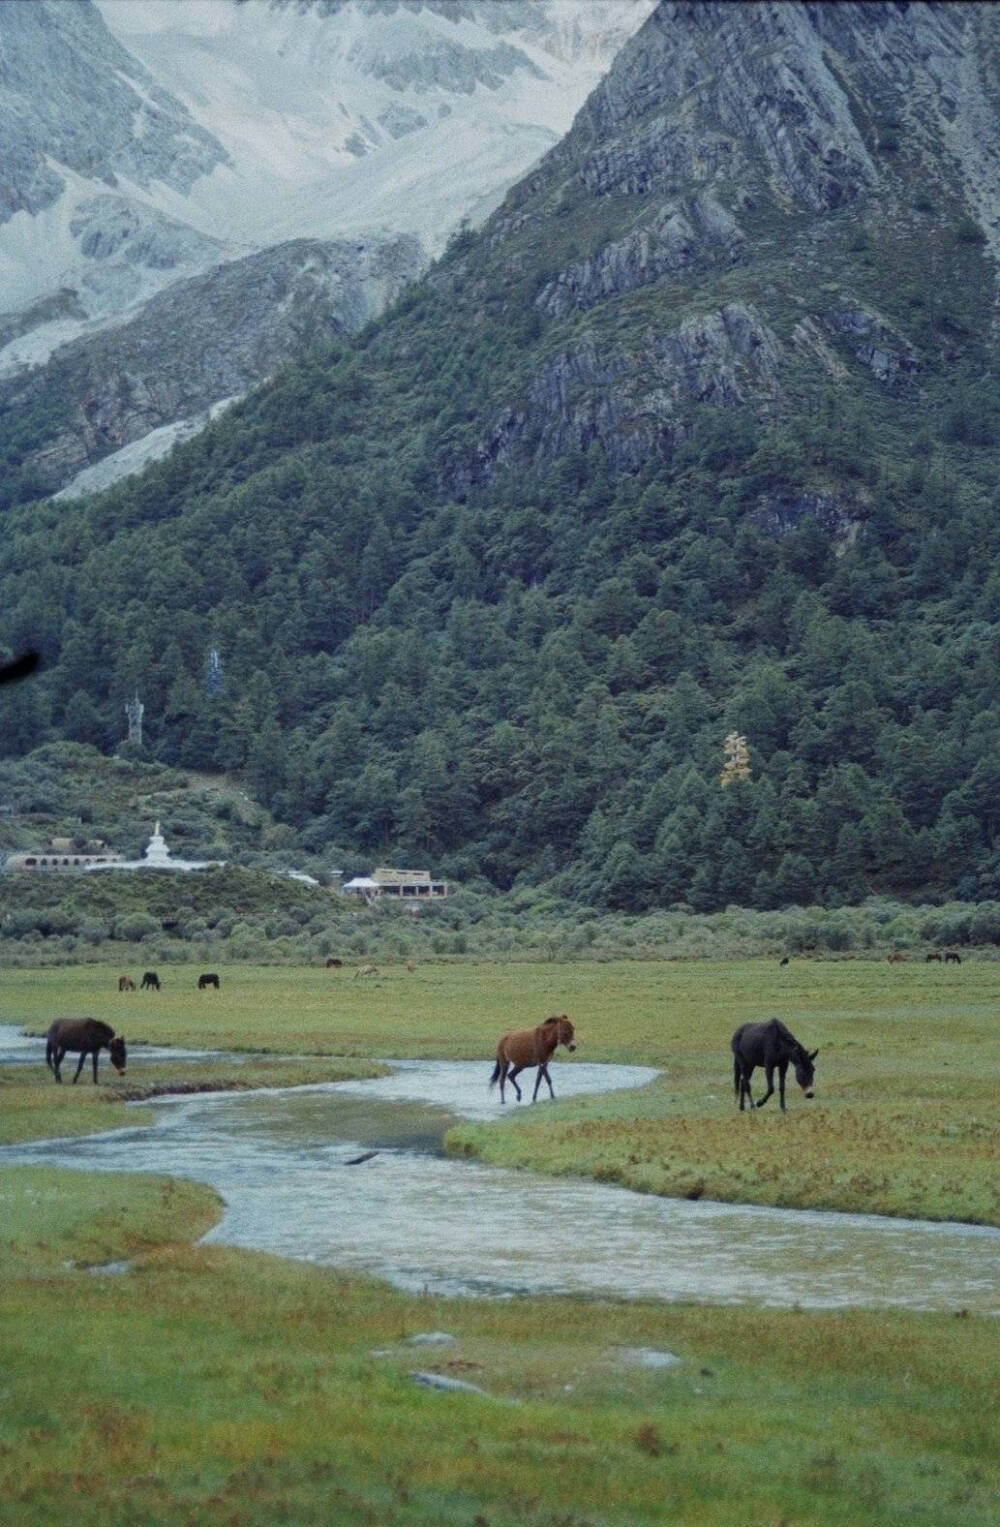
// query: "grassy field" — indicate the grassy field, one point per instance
point(199, 1384)
point(904, 1121)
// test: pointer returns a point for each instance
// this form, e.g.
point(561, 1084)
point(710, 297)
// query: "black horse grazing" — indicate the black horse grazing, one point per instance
point(208, 979)
point(772, 1046)
point(87, 1036)
point(951, 958)
point(531, 1047)
point(150, 979)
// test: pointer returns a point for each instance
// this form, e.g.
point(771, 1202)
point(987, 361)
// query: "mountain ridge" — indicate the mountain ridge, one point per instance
point(628, 471)
point(173, 140)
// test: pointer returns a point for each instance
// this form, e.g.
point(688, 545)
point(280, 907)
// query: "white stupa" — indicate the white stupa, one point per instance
point(158, 857)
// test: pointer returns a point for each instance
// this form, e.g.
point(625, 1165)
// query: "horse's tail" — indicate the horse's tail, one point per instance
point(49, 1052)
point(496, 1073)
point(737, 1074)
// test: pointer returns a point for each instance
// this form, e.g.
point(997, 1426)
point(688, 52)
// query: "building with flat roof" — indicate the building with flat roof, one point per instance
point(409, 885)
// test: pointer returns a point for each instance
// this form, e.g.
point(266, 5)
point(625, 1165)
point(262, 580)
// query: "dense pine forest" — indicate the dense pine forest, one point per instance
point(489, 585)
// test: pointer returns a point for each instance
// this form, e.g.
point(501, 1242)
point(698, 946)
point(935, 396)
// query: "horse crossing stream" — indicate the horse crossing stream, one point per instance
point(421, 1219)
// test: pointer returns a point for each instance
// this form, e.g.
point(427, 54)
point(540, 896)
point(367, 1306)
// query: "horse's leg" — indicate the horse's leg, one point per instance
point(782, 1068)
point(512, 1073)
point(95, 1067)
point(543, 1070)
point(502, 1068)
point(83, 1057)
point(769, 1073)
point(744, 1085)
point(57, 1056)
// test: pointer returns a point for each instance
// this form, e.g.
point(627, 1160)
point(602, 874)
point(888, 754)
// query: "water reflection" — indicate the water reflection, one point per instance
point(422, 1220)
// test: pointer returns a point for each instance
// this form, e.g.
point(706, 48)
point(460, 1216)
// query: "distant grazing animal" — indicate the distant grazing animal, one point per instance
point(951, 958)
point(772, 1046)
point(410, 966)
point(86, 1035)
point(333, 963)
point(366, 970)
point(896, 959)
point(208, 979)
point(531, 1047)
point(933, 954)
point(150, 979)
point(125, 983)
point(783, 960)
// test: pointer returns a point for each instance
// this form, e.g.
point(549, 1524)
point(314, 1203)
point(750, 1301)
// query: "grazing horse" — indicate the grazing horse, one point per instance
point(150, 979)
point(366, 970)
point(895, 959)
point(951, 958)
point(86, 1035)
point(769, 1045)
point(933, 954)
point(125, 983)
point(208, 979)
point(333, 963)
point(531, 1047)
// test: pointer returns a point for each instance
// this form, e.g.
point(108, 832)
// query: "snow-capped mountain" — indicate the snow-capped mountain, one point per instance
point(146, 142)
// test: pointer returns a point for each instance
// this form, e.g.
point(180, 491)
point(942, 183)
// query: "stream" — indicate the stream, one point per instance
point(423, 1220)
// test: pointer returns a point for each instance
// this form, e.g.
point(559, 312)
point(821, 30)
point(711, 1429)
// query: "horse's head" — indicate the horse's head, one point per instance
point(116, 1051)
point(562, 1031)
point(805, 1071)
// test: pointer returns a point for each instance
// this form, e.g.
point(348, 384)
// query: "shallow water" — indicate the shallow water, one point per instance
point(423, 1220)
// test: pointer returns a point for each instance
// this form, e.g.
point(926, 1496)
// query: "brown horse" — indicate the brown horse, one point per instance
point(125, 983)
point(531, 1047)
point(87, 1036)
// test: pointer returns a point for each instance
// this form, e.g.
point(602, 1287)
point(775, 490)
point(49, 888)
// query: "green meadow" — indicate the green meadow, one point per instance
point(904, 1121)
point(147, 1378)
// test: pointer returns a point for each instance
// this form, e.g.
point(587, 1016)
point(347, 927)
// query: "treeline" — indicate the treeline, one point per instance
point(238, 914)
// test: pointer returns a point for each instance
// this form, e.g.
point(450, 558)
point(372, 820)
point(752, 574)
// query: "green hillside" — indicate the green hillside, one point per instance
point(674, 447)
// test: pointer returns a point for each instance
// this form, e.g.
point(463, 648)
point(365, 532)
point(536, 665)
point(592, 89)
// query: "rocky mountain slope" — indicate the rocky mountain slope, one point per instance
point(778, 180)
point(146, 143)
point(697, 435)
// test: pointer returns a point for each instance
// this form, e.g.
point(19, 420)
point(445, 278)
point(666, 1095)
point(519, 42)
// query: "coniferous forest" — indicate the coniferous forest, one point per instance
point(489, 586)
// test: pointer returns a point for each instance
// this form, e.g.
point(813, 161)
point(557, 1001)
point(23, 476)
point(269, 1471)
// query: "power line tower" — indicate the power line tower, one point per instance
point(213, 673)
point(134, 711)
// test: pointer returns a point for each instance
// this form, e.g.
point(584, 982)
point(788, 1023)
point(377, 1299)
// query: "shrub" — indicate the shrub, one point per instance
point(133, 927)
point(968, 231)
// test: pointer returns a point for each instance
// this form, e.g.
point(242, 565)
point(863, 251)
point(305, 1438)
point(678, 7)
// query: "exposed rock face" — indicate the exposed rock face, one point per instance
point(890, 358)
point(738, 173)
point(102, 115)
point(683, 235)
point(206, 338)
point(635, 402)
point(741, 93)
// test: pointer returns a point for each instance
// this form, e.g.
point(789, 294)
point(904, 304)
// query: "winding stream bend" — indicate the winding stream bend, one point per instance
point(423, 1220)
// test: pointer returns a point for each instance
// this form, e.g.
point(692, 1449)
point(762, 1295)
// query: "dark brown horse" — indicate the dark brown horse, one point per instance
point(772, 1046)
point(531, 1047)
point(88, 1036)
point(208, 979)
point(125, 983)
